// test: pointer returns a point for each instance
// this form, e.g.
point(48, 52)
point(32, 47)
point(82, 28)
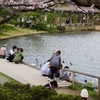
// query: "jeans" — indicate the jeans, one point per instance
point(53, 71)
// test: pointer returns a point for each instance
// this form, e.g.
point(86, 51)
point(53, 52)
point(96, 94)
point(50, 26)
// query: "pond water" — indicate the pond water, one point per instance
point(81, 49)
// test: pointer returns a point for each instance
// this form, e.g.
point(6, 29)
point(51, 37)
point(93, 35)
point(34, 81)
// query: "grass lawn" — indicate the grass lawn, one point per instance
point(16, 31)
point(8, 78)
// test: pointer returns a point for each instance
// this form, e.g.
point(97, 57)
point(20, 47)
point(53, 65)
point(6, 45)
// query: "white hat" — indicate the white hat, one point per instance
point(84, 93)
point(5, 45)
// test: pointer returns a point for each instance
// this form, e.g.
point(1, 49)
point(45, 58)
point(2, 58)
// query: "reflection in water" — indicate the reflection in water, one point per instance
point(80, 52)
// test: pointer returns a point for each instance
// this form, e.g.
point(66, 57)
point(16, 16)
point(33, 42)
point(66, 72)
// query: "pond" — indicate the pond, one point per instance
point(81, 49)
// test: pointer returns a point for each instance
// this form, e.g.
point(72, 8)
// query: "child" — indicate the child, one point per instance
point(52, 85)
point(84, 94)
point(64, 75)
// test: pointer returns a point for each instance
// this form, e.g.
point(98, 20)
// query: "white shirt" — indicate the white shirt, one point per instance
point(44, 69)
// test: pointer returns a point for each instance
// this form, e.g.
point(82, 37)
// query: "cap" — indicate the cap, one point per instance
point(84, 93)
point(5, 45)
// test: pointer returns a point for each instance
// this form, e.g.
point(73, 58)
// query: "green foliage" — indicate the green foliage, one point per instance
point(5, 28)
point(79, 87)
point(64, 97)
point(93, 93)
point(51, 18)
point(4, 13)
point(18, 91)
point(52, 29)
point(40, 26)
point(13, 22)
point(89, 88)
point(41, 93)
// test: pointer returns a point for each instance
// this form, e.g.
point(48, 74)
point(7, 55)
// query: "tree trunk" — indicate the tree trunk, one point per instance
point(7, 19)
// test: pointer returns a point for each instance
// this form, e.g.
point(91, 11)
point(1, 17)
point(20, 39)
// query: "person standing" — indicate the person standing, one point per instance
point(55, 63)
point(3, 51)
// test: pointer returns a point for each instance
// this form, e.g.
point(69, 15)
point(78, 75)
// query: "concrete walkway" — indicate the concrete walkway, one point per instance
point(25, 73)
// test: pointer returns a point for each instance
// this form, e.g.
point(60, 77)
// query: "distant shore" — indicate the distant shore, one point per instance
point(17, 32)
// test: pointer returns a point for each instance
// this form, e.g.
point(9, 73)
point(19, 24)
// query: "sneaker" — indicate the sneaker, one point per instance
point(49, 79)
point(56, 79)
point(62, 81)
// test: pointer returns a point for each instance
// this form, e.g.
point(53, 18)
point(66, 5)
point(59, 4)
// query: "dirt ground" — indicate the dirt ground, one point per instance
point(68, 91)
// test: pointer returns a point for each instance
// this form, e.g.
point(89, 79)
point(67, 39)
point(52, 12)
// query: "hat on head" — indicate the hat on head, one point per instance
point(84, 93)
point(5, 45)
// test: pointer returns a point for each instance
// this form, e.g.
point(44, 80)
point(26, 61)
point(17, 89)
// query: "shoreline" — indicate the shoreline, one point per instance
point(4, 38)
point(18, 32)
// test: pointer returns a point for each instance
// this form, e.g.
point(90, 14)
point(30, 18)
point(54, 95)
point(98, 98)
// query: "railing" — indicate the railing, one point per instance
point(86, 74)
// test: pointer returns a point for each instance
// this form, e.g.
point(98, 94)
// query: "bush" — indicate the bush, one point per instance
point(61, 28)
point(52, 29)
point(40, 26)
point(64, 97)
point(17, 91)
point(79, 87)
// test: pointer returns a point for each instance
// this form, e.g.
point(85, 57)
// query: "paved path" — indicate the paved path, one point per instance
point(25, 73)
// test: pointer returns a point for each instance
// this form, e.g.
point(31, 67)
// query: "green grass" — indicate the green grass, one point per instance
point(8, 78)
point(92, 92)
point(12, 31)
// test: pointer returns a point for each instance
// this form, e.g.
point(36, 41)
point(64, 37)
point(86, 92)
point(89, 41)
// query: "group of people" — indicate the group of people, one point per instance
point(15, 54)
point(54, 69)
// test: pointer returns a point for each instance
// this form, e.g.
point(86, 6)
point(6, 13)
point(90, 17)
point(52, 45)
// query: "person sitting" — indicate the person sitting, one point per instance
point(64, 75)
point(45, 69)
point(10, 53)
point(52, 85)
point(3, 51)
point(18, 56)
point(84, 94)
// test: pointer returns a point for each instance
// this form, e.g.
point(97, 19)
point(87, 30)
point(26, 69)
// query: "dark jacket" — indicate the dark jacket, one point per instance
point(55, 60)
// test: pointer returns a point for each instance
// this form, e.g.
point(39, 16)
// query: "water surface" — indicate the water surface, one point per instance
point(82, 49)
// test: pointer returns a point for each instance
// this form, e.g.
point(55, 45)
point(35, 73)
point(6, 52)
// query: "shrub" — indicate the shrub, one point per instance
point(40, 26)
point(18, 91)
point(91, 91)
point(52, 29)
point(61, 28)
point(64, 97)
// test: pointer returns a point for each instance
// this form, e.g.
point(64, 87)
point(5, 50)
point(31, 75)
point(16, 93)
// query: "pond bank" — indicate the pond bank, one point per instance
point(17, 32)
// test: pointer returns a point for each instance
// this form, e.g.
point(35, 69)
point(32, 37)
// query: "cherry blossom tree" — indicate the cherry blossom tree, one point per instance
point(17, 6)
point(87, 3)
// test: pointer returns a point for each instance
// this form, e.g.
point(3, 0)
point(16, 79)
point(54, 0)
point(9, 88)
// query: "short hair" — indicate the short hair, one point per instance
point(21, 49)
point(54, 83)
point(14, 47)
point(59, 52)
point(66, 67)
